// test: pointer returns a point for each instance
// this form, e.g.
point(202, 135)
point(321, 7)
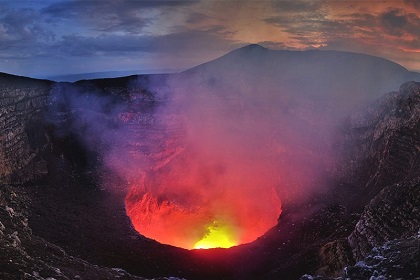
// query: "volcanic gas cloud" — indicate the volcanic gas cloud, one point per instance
point(208, 164)
point(215, 180)
point(209, 153)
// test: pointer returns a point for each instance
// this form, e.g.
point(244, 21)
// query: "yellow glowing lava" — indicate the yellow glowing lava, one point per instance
point(218, 235)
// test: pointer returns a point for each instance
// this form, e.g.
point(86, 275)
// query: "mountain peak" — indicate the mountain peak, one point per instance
point(253, 47)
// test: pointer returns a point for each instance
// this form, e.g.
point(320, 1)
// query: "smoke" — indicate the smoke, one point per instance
point(234, 156)
point(101, 121)
point(209, 155)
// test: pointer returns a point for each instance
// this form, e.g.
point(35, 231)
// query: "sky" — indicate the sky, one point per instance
point(51, 38)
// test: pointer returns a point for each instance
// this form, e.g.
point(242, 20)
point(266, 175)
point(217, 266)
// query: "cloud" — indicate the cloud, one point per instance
point(394, 22)
point(196, 18)
point(310, 32)
point(110, 44)
point(79, 8)
point(193, 29)
point(356, 27)
point(306, 22)
point(413, 4)
point(22, 33)
point(110, 16)
point(298, 6)
point(71, 29)
point(399, 23)
point(273, 45)
point(59, 35)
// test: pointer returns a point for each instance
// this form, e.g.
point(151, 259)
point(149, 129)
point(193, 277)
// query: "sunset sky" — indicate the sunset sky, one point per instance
point(49, 38)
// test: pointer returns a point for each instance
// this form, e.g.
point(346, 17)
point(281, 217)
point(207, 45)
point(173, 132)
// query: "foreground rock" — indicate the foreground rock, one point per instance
point(393, 213)
point(396, 259)
point(23, 141)
point(385, 241)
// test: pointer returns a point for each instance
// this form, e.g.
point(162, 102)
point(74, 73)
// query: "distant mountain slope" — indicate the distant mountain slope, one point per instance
point(8, 80)
point(106, 75)
point(341, 78)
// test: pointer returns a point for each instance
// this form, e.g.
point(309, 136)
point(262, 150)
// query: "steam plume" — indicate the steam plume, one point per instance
point(209, 154)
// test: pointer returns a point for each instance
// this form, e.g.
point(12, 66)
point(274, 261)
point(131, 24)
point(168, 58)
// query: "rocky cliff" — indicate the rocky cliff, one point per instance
point(381, 142)
point(381, 169)
point(386, 147)
point(394, 213)
point(23, 139)
point(385, 237)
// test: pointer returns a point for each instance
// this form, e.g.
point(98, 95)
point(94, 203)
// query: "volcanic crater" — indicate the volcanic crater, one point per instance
point(131, 173)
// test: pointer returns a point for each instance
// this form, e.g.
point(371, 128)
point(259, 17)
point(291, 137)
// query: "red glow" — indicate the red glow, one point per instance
point(187, 208)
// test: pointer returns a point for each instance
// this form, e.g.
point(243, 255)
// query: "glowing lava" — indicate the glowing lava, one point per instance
point(208, 194)
point(197, 218)
point(219, 235)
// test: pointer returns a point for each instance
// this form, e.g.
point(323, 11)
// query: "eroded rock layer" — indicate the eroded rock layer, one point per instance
point(23, 138)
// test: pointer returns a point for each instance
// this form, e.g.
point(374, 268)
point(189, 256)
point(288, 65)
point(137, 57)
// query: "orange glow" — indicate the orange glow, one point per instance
point(196, 218)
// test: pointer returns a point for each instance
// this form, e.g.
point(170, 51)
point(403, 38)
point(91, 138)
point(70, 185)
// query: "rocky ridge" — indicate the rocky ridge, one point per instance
point(393, 213)
point(22, 143)
point(395, 259)
point(383, 149)
point(381, 143)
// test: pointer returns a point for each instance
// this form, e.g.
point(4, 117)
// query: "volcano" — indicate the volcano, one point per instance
point(280, 165)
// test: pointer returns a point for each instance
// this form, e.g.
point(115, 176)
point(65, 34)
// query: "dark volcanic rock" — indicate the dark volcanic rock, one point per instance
point(393, 213)
point(382, 143)
point(396, 259)
point(385, 150)
point(25, 256)
point(334, 256)
point(23, 140)
point(381, 169)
